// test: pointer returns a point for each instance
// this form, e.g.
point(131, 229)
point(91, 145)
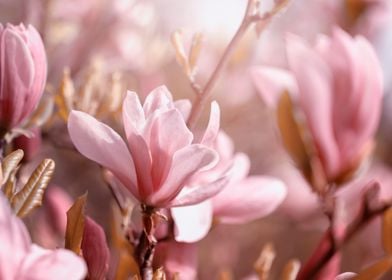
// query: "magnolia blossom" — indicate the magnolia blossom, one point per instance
point(20, 259)
point(337, 85)
point(243, 199)
point(23, 73)
point(159, 155)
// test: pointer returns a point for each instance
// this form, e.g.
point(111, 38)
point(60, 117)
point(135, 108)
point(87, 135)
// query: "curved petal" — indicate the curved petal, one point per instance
point(134, 122)
point(270, 82)
point(197, 194)
point(178, 258)
point(158, 99)
point(184, 106)
point(42, 264)
point(212, 129)
point(250, 199)
point(38, 53)
point(224, 146)
point(367, 112)
point(14, 241)
point(240, 168)
point(17, 76)
point(346, 276)
point(103, 145)
point(343, 59)
point(192, 223)
point(133, 114)
point(315, 96)
point(95, 250)
point(185, 163)
point(169, 134)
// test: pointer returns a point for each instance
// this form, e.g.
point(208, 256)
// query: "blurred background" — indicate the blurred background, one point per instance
point(114, 45)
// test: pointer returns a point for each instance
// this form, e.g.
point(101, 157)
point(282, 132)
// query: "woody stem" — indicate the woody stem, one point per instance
point(145, 248)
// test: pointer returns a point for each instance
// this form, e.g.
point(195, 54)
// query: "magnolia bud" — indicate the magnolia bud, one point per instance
point(23, 70)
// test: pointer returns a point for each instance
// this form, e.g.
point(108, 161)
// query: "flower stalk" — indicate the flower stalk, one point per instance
point(146, 244)
point(330, 243)
point(251, 16)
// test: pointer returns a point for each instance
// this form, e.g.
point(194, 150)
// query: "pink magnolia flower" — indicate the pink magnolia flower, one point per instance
point(337, 85)
point(23, 73)
point(159, 155)
point(20, 259)
point(243, 199)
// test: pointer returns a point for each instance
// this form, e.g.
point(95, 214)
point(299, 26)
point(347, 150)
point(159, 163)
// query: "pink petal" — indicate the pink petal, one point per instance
point(184, 106)
point(346, 276)
point(57, 203)
point(367, 113)
point(103, 145)
point(95, 250)
point(16, 76)
point(212, 129)
point(42, 264)
point(40, 69)
point(14, 241)
point(224, 146)
point(250, 199)
point(179, 258)
point(133, 114)
point(343, 58)
point(271, 82)
point(158, 99)
point(196, 194)
point(240, 168)
point(192, 223)
point(134, 121)
point(185, 163)
point(315, 93)
point(169, 134)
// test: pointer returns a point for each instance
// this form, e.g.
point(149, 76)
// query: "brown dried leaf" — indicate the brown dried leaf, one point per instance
point(87, 101)
point(116, 92)
point(291, 270)
point(225, 275)
point(159, 274)
point(42, 113)
point(125, 267)
point(182, 59)
point(65, 95)
point(375, 271)
point(9, 187)
point(10, 163)
point(31, 195)
point(279, 6)
point(387, 231)
point(264, 263)
point(75, 225)
point(291, 135)
point(194, 51)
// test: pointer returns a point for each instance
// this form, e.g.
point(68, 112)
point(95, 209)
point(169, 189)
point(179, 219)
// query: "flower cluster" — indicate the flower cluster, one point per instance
point(181, 181)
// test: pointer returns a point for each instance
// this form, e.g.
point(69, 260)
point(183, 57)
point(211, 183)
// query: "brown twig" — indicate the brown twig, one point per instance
point(146, 244)
point(331, 244)
point(204, 93)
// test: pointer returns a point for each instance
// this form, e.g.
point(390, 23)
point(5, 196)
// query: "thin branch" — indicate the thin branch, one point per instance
point(203, 94)
point(330, 244)
point(145, 248)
